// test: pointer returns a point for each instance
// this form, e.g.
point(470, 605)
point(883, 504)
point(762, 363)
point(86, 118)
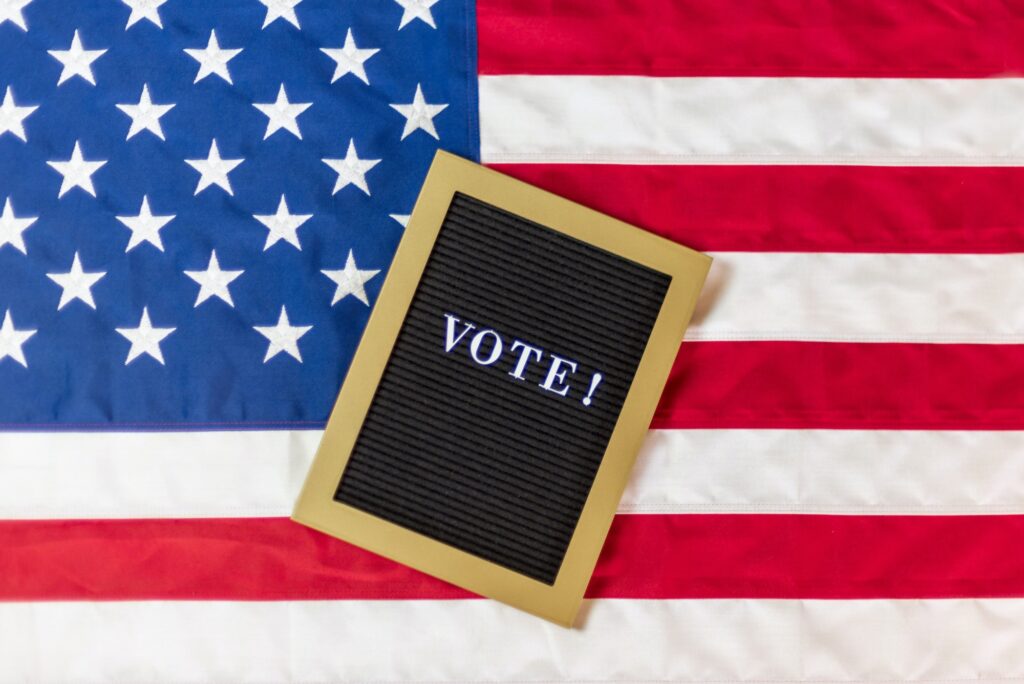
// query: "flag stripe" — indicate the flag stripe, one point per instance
point(226, 474)
point(842, 297)
point(734, 38)
point(794, 208)
point(646, 556)
point(835, 385)
point(964, 640)
point(625, 119)
point(258, 474)
point(858, 472)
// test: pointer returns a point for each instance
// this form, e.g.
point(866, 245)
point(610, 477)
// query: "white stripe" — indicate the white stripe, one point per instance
point(153, 474)
point(857, 472)
point(258, 474)
point(631, 119)
point(482, 641)
point(838, 297)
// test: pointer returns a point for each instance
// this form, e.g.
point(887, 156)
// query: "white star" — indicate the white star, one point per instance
point(145, 339)
point(284, 337)
point(351, 170)
point(214, 170)
point(213, 282)
point(76, 283)
point(419, 115)
point(77, 172)
point(282, 114)
point(350, 59)
point(76, 61)
point(11, 228)
point(281, 9)
point(11, 340)
point(350, 281)
point(212, 59)
point(145, 115)
point(144, 9)
point(10, 10)
point(12, 116)
point(145, 227)
point(417, 9)
point(403, 219)
point(282, 225)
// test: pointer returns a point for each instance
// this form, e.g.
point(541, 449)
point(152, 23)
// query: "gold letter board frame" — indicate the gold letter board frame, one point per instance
point(454, 467)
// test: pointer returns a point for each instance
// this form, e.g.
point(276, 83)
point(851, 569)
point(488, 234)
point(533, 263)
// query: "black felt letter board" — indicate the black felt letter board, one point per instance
point(495, 462)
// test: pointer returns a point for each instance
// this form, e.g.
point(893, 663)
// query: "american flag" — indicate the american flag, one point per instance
point(201, 200)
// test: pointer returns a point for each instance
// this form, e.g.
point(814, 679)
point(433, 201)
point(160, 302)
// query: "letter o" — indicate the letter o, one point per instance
point(474, 347)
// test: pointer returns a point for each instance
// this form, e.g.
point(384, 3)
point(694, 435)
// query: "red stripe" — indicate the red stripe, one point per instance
point(802, 556)
point(803, 208)
point(844, 385)
point(647, 556)
point(910, 38)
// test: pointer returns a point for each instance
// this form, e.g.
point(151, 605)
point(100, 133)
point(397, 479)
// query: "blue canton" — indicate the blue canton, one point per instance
point(201, 198)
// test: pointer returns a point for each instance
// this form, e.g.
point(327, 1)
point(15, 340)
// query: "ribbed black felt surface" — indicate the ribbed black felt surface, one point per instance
point(467, 454)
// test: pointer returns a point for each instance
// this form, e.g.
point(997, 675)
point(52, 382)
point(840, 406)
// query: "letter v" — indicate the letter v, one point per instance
point(450, 340)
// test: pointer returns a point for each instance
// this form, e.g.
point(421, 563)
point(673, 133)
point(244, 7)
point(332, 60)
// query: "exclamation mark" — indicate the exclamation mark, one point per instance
point(594, 382)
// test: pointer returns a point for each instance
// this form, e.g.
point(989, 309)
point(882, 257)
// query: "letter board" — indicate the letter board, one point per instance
point(484, 433)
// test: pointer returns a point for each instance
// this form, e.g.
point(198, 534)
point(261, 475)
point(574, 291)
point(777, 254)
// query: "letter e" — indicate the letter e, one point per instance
point(556, 375)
